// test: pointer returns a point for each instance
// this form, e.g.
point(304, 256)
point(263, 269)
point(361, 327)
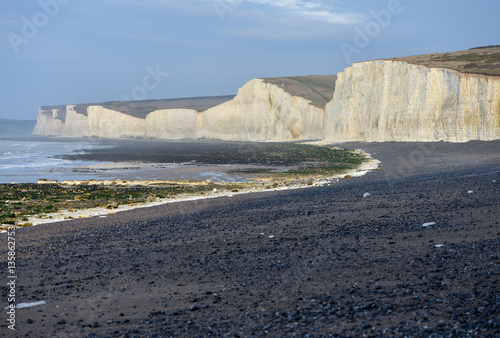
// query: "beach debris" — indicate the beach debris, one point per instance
point(470, 191)
point(194, 308)
point(44, 181)
point(214, 190)
point(23, 305)
point(494, 181)
point(438, 245)
point(428, 224)
point(272, 236)
point(367, 194)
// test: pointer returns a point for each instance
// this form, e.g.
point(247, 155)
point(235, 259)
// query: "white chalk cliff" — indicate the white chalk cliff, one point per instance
point(373, 101)
point(398, 101)
point(263, 112)
point(102, 122)
point(260, 112)
point(50, 122)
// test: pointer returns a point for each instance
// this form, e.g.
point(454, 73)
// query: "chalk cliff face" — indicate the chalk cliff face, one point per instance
point(102, 122)
point(263, 112)
point(260, 112)
point(171, 124)
point(373, 101)
point(50, 121)
point(397, 101)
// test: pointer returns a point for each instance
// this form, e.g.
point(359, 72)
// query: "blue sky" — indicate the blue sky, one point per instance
point(77, 51)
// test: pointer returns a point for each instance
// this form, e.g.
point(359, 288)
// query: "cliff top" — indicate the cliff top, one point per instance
point(141, 109)
point(480, 60)
point(316, 88)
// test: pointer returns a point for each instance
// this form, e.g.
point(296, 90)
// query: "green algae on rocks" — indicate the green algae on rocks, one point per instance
point(302, 162)
point(22, 200)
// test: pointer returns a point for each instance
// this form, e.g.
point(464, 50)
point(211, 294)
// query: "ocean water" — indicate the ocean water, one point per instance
point(26, 161)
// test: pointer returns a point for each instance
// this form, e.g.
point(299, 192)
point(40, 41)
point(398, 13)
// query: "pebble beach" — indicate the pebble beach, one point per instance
point(410, 249)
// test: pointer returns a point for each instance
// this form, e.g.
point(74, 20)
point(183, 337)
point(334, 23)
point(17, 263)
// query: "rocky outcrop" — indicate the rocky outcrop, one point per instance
point(398, 101)
point(373, 101)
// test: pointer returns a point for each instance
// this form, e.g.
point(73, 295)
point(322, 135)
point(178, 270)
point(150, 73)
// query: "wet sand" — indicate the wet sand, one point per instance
point(157, 171)
point(319, 261)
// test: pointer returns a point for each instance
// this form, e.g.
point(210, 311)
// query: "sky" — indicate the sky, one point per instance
point(55, 52)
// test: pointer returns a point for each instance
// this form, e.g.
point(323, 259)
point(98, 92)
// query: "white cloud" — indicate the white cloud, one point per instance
point(285, 19)
point(313, 10)
point(331, 12)
point(265, 19)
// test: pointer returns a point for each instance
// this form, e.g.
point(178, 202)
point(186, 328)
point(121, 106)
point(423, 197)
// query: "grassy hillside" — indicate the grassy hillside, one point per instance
point(480, 60)
point(316, 88)
point(16, 128)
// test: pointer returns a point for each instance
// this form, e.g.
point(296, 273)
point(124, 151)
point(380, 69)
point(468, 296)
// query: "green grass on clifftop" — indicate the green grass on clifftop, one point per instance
point(316, 88)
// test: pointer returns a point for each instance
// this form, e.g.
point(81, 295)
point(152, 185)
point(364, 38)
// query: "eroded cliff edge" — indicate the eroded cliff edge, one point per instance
point(398, 101)
point(280, 109)
point(382, 100)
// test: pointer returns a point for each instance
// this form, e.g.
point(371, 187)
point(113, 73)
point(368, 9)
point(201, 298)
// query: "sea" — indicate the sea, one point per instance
point(27, 161)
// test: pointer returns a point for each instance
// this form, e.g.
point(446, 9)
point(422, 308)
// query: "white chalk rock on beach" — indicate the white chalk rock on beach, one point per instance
point(25, 305)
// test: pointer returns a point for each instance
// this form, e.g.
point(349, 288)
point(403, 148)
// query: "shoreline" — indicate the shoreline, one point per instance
point(127, 175)
point(254, 185)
